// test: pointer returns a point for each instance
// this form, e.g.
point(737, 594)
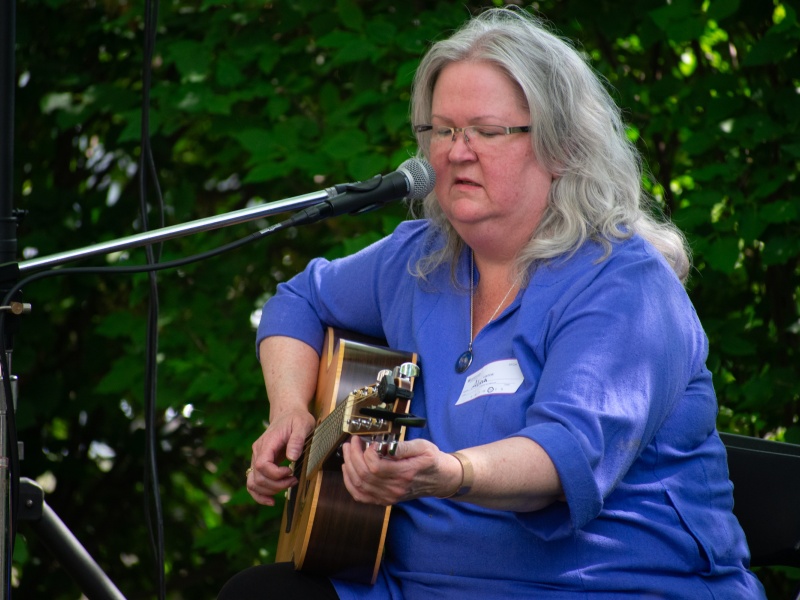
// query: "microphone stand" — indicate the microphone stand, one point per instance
point(8, 252)
point(21, 494)
point(56, 536)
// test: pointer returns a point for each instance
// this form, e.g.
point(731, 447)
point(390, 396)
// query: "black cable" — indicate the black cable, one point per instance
point(155, 521)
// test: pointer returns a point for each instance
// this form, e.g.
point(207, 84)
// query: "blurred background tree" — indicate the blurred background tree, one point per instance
point(256, 101)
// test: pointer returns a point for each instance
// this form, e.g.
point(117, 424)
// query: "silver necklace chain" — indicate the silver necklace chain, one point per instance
point(465, 360)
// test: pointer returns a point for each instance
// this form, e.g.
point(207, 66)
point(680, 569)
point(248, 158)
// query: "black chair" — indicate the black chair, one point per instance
point(766, 494)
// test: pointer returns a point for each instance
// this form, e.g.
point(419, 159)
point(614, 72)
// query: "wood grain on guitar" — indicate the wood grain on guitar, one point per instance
point(363, 389)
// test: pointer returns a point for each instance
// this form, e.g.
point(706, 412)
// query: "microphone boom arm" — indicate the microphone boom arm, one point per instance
point(414, 179)
point(174, 231)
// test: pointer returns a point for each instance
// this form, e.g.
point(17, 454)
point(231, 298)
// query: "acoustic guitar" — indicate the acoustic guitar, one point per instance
point(363, 389)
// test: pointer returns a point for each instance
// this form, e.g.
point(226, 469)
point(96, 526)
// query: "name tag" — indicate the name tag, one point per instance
point(500, 377)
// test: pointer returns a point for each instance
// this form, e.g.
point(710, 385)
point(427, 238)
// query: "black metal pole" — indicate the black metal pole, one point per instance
point(8, 221)
point(8, 253)
point(64, 546)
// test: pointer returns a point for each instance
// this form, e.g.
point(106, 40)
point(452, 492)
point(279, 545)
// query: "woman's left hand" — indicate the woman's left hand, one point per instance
point(513, 474)
point(418, 468)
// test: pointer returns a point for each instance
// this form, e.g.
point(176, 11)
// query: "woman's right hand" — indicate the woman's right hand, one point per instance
point(283, 439)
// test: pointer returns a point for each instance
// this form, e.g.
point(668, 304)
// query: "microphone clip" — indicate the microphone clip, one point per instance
point(360, 186)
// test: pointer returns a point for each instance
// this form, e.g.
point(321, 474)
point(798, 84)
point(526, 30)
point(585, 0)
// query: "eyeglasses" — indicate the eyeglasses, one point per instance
point(481, 139)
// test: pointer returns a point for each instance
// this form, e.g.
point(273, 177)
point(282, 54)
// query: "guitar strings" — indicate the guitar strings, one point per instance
point(325, 436)
point(328, 428)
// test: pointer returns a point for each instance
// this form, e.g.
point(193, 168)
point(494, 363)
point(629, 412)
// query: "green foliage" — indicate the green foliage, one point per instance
point(257, 101)
point(711, 89)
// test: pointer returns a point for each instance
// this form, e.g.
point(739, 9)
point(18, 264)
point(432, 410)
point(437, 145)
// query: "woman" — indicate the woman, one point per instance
point(538, 271)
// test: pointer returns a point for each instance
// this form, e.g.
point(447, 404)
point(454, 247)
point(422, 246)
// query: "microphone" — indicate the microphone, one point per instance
point(413, 180)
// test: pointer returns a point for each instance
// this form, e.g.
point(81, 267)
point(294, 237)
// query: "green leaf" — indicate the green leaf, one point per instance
point(723, 107)
point(381, 31)
point(337, 39)
point(722, 254)
point(191, 59)
point(358, 51)
point(680, 20)
point(691, 217)
point(346, 144)
point(132, 121)
point(751, 226)
point(767, 188)
point(712, 172)
point(268, 172)
point(329, 99)
point(791, 149)
point(125, 374)
point(228, 73)
point(201, 99)
point(366, 165)
point(771, 49)
point(758, 389)
point(405, 74)
point(721, 9)
point(268, 59)
point(779, 250)
point(350, 15)
point(257, 141)
point(700, 142)
point(781, 211)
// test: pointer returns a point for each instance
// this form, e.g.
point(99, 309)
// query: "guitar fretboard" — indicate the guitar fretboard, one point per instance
point(325, 438)
point(332, 431)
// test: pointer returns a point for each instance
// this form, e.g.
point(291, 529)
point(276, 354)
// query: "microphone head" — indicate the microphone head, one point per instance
point(421, 177)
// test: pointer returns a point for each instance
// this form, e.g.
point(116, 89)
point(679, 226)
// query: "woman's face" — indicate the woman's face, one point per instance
point(493, 194)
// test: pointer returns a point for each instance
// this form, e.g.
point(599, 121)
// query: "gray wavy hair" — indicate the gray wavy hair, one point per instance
point(577, 133)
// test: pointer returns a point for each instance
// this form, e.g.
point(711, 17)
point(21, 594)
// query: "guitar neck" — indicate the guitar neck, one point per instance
point(326, 438)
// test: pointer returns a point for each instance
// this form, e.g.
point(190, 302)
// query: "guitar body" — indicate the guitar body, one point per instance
point(323, 529)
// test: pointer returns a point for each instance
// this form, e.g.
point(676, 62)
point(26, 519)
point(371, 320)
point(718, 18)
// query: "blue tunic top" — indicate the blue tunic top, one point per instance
point(602, 363)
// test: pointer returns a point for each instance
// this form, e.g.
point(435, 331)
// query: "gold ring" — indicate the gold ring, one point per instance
point(249, 470)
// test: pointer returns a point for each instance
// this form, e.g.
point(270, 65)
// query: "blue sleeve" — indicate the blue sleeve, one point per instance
point(353, 293)
point(619, 348)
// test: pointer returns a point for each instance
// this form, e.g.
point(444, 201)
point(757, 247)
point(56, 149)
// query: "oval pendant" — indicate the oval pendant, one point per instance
point(464, 361)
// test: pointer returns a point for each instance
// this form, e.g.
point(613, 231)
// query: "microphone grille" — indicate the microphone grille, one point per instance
point(421, 177)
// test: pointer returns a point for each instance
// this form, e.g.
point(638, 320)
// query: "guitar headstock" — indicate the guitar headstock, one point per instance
point(379, 409)
point(355, 423)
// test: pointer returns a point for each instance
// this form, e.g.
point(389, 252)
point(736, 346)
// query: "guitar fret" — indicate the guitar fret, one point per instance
point(326, 436)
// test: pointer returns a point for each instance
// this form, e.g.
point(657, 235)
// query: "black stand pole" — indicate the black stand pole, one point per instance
point(8, 220)
point(64, 546)
point(8, 252)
